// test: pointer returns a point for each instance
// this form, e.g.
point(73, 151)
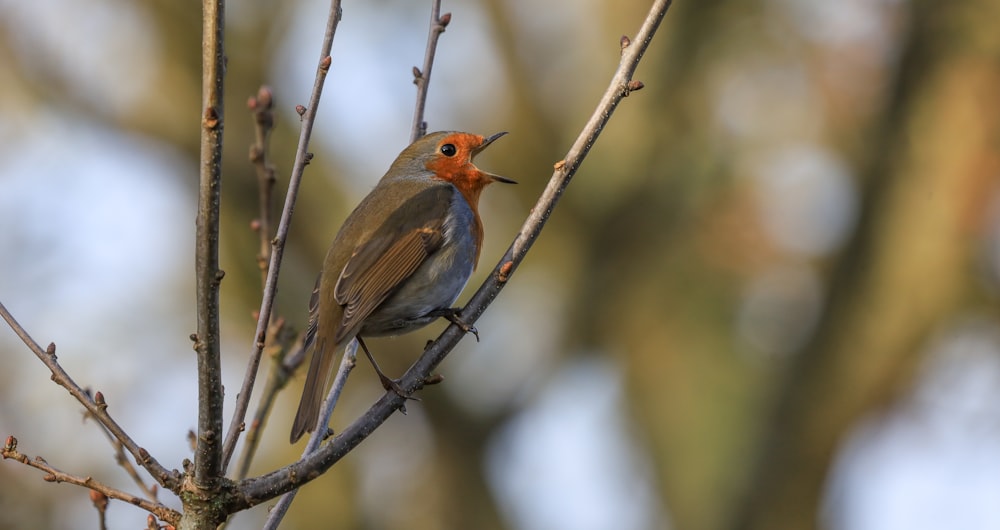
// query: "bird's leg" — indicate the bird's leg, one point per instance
point(387, 383)
point(451, 315)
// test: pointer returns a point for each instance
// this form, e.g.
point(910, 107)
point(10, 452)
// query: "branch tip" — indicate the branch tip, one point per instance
point(265, 97)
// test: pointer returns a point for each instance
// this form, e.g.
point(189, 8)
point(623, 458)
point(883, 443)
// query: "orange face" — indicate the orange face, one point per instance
point(453, 163)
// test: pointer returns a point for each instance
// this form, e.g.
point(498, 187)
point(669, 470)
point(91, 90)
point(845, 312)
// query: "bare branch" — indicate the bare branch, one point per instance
point(208, 276)
point(100, 502)
point(422, 78)
point(168, 479)
point(262, 106)
point(302, 157)
point(320, 432)
point(280, 374)
point(260, 489)
point(54, 475)
point(120, 457)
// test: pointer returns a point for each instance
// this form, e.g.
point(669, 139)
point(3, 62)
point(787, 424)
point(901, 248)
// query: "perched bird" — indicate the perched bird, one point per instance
point(401, 258)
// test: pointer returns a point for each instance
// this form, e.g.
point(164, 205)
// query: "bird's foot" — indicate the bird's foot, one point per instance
point(394, 386)
point(451, 315)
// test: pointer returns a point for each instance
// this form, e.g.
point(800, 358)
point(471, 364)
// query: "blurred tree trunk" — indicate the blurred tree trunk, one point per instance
point(934, 158)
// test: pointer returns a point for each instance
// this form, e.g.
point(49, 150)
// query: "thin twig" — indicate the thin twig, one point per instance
point(262, 106)
point(278, 377)
point(347, 363)
point(100, 502)
point(98, 409)
point(422, 78)
point(260, 489)
point(208, 276)
point(54, 475)
point(302, 157)
point(123, 460)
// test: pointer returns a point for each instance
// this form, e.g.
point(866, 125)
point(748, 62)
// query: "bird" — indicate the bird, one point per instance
point(401, 258)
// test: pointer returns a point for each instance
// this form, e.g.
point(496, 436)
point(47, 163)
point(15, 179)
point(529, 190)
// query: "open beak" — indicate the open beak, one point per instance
point(486, 143)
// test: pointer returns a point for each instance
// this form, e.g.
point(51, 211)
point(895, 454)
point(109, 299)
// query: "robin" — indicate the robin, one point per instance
point(401, 258)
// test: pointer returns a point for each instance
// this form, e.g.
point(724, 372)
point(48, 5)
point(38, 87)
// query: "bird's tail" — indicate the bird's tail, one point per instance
point(312, 393)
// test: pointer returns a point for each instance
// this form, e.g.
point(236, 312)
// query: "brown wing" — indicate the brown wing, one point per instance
point(376, 269)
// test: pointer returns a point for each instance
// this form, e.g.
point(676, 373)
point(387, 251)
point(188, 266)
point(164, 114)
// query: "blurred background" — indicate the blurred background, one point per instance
point(768, 300)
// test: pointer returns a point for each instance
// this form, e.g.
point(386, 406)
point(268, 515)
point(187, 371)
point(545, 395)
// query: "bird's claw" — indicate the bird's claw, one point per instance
point(393, 385)
point(451, 314)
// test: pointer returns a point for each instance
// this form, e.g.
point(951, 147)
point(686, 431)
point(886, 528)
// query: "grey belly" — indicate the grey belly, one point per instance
point(435, 285)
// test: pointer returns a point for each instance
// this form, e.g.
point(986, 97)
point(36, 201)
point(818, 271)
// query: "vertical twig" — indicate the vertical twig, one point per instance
point(282, 369)
point(302, 157)
point(422, 78)
point(262, 107)
point(208, 452)
point(319, 433)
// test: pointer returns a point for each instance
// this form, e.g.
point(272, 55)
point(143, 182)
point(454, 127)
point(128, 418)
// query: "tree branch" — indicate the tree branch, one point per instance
point(54, 475)
point(96, 408)
point(208, 452)
point(262, 107)
point(302, 157)
point(422, 78)
point(320, 431)
point(260, 489)
point(123, 460)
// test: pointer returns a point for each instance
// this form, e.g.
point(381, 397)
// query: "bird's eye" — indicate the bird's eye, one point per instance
point(448, 150)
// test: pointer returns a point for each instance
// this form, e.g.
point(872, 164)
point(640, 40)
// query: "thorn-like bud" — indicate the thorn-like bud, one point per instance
point(633, 86)
point(417, 74)
point(559, 165)
point(433, 379)
point(49, 478)
point(324, 64)
point(300, 110)
point(504, 272)
point(219, 275)
point(624, 42)
point(51, 349)
point(210, 119)
point(444, 20)
point(99, 400)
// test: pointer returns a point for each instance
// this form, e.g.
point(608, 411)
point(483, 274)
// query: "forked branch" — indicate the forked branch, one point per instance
point(260, 489)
